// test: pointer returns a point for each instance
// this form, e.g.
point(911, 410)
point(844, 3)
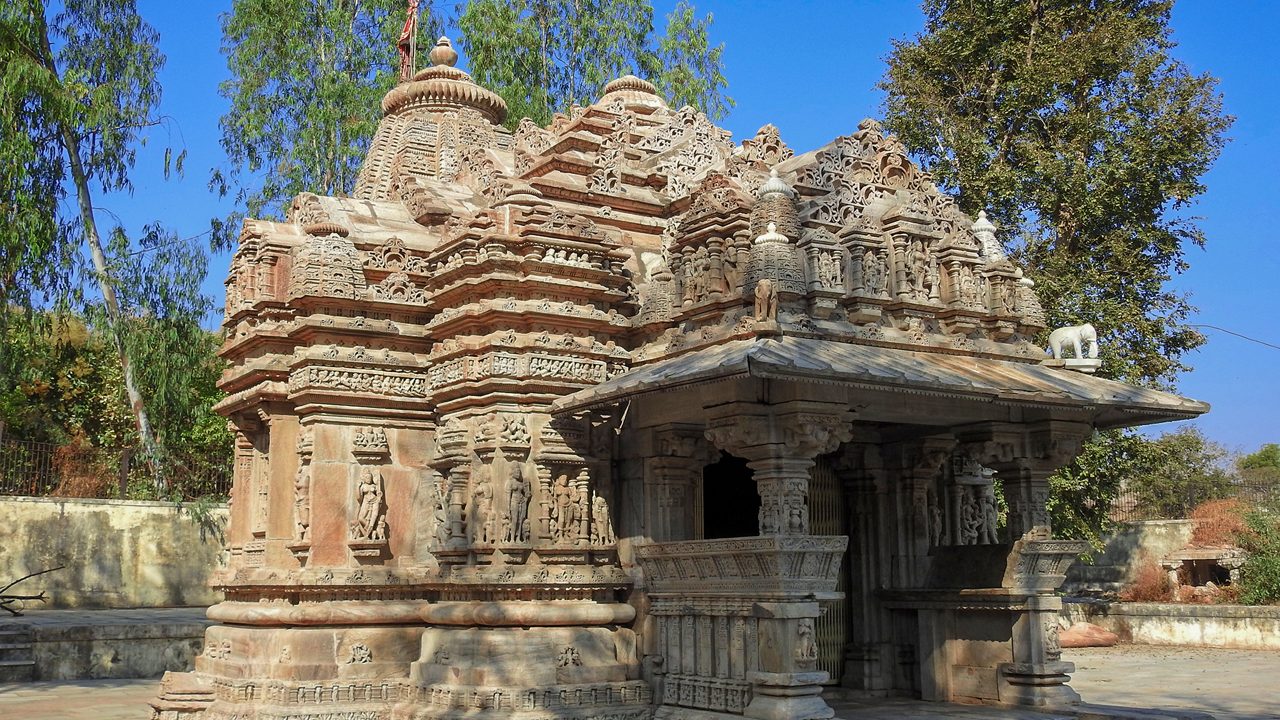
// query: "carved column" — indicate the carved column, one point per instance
point(869, 654)
point(1024, 457)
point(780, 443)
point(917, 464)
point(672, 480)
point(453, 463)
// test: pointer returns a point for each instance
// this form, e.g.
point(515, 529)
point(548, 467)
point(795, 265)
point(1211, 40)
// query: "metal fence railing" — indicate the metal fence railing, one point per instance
point(1136, 502)
point(40, 469)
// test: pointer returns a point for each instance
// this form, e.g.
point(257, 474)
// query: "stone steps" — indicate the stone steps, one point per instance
point(17, 653)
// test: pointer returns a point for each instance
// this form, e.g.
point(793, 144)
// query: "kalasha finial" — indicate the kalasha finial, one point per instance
point(985, 232)
point(443, 53)
point(776, 186)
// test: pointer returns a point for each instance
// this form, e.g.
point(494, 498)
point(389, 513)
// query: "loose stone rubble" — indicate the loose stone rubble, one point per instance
point(498, 414)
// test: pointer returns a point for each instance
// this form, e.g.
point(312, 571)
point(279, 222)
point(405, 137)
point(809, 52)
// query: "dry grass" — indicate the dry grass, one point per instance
point(79, 475)
point(1218, 523)
point(1150, 584)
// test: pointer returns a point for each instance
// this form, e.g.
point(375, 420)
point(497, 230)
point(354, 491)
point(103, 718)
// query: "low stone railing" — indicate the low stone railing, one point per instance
point(734, 622)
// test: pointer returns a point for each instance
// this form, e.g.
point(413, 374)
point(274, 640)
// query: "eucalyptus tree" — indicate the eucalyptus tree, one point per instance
point(306, 78)
point(544, 56)
point(78, 91)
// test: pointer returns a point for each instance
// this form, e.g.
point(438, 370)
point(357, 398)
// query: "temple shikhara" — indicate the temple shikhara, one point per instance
point(619, 419)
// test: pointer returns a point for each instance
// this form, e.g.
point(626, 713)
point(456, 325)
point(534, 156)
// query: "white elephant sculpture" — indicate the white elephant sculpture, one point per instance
point(1077, 336)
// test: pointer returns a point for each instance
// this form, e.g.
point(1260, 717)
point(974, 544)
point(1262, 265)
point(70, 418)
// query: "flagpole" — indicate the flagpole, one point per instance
point(413, 39)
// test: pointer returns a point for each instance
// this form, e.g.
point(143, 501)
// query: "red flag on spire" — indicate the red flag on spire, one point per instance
point(406, 43)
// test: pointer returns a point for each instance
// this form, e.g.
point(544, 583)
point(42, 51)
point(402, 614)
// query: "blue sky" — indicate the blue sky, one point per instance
point(811, 68)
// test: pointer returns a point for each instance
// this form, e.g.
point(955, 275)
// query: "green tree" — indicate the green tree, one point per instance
point(89, 98)
point(544, 56)
point(1082, 495)
point(1074, 123)
point(1185, 469)
point(307, 77)
point(1077, 130)
point(1261, 467)
point(83, 77)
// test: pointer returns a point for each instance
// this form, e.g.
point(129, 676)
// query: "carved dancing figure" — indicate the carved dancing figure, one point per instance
point(302, 501)
point(1077, 336)
point(482, 510)
point(766, 301)
point(369, 509)
point(990, 517)
point(518, 494)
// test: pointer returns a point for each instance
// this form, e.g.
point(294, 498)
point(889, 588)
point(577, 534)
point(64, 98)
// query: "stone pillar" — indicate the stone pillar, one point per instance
point(672, 479)
point(917, 464)
point(1024, 456)
point(780, 443)
point(869, 653)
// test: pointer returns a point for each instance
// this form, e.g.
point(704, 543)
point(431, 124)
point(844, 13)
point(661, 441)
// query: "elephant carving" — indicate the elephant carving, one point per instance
point(1075, 337)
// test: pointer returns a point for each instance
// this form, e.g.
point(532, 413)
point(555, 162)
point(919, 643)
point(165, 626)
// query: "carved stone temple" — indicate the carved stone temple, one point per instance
point(618, 419)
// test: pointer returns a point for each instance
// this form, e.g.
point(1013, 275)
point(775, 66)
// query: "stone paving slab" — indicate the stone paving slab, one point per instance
point(1229, 684)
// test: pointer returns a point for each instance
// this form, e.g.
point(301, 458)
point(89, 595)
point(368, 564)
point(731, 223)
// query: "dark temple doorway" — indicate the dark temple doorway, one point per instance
point(730, 502)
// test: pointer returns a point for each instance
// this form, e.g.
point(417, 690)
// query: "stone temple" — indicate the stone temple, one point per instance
point(617, 419)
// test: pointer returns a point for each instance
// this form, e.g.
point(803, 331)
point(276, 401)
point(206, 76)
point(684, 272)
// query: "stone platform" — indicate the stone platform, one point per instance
point(99, 644)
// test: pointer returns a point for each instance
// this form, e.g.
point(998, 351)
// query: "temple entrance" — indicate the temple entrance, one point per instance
point(730, 503)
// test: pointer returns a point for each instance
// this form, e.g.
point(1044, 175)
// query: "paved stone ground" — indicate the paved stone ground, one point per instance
point(96, 618)
point(1229, 684)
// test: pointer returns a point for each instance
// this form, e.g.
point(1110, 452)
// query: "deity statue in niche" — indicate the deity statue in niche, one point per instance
point(917, 269)
point(935, 519)
point(518, 494)
point(990, 517)
point(601, 523)
point(970, 518)
point(562, 509)
point(369, 506)
point(873, 273)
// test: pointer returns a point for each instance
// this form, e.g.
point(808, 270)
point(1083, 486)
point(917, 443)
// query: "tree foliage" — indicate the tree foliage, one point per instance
point(544, 56)
point(1075, 123)
point(80, 90)
point(1185, 469)
point(1074, 126)
point(1261, 467)
point(307, 77)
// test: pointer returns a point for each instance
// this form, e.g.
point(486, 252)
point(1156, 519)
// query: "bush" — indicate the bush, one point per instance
point(1260, 575)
